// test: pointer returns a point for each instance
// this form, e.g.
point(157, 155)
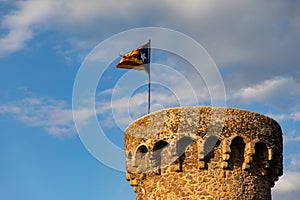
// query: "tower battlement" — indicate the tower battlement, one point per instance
point(203, 153)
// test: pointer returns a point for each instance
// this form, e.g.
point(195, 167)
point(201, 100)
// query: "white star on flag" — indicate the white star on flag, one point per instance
point(143, 56)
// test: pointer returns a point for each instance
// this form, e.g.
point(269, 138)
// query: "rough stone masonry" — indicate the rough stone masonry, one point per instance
point(204, 153)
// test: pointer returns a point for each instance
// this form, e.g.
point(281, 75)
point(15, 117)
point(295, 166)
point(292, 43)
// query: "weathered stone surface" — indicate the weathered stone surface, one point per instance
point(203, 153)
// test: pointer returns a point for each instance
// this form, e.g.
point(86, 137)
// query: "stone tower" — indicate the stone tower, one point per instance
point(205, 153)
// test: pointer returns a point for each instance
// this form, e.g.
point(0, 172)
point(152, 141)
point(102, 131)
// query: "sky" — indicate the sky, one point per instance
point(46, 46)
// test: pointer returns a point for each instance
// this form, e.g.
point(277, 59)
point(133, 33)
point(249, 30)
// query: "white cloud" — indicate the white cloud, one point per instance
point(269, 90)
point(230, 31)
point(290, 136)
point(20, 23)
point(107, 91)
point(14, 40)
point(295, 116)
point(295, 138)
point(60, 15)
point(287, 187)
point(294, 163)
point(53, 115)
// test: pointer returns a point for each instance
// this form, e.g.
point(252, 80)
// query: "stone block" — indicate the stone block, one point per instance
point(226, 156)
point(245, 166)
point(224, 165)
point(201, 165)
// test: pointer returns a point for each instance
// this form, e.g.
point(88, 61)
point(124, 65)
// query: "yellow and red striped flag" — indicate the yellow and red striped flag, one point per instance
point(138, 59)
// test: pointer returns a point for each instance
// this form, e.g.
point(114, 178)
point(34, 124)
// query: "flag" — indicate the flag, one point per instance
point(138, 59)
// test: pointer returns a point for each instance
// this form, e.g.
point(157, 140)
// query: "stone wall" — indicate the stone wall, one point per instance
point(203, 153)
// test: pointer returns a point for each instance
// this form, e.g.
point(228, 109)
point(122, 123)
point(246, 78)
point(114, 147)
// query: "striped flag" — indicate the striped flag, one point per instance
point(138, 59)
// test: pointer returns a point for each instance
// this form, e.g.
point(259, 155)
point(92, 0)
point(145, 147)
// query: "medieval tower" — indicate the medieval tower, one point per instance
point(204, 153)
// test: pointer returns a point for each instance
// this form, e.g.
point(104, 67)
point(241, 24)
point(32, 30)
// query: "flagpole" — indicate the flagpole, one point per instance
point(149, 52)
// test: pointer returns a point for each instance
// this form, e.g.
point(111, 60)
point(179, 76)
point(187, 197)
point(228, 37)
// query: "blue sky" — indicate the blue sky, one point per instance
point(43, 44)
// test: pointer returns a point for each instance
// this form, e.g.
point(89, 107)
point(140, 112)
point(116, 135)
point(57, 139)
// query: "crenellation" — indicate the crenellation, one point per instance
point(203, 153)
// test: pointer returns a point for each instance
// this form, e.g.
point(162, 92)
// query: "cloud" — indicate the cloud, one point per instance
point(294, 161)
point(294, 138)
point(68, 16)
point(281, 91)
point(20, 24)
point(295, 116)
point(287, 187)
point(53, 115)
point(230, 31)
